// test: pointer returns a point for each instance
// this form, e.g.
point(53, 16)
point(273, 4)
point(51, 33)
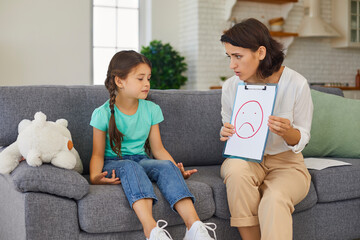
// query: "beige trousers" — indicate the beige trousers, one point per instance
point(265, 193)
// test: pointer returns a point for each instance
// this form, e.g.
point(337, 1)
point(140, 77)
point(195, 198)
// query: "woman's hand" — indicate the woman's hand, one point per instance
point(186, 174)
point(282, 127)
point(100, 179)
point(227, 131)
point(279, 125)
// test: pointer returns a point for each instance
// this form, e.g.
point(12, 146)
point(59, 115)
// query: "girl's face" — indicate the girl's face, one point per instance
point(137, 83)
point(245, 62)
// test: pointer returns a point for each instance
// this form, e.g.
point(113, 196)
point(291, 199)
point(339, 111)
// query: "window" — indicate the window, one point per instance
point(115, 28)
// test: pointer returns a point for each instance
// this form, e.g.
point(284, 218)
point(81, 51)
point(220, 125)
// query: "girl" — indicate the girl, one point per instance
point(120, 128)
point(262, 196)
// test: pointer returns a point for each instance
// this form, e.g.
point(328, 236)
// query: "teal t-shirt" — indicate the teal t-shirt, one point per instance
point(135, 127)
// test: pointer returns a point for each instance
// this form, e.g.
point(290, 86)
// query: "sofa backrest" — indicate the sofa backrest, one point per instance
point(335, 91)
point(191, 127)
point(74, 103)
point(190, 131)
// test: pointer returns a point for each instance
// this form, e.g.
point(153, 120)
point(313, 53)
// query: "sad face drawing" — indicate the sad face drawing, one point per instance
point(248, 119)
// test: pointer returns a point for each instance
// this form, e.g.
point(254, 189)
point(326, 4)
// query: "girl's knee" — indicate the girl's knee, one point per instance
point(166, 165)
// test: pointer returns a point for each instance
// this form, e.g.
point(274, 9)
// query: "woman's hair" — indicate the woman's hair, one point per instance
point(251, 34)
point(120, 65)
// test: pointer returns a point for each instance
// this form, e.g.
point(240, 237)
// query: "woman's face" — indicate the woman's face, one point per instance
point(245, 62)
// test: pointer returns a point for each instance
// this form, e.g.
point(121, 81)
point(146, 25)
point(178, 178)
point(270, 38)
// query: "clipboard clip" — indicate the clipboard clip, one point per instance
point(255, 87)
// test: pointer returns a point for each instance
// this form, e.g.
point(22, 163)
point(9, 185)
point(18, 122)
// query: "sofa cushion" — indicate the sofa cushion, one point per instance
point(106, 209)
point(50, 179)
point(337, 183)
point(191, 126)
point(211, 176)
point(335, 120)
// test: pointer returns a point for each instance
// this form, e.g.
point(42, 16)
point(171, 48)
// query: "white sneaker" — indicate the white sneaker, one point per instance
point(159, 233)
point(199, 231)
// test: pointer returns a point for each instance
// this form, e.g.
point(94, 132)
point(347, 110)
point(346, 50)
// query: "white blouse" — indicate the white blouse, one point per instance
point(293, 101)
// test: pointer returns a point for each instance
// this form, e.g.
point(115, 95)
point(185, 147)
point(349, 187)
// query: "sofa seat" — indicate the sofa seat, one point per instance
point(211, 176)
point(337, 183)
point(105, 208)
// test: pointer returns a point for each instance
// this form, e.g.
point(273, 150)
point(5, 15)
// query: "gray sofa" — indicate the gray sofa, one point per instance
point(52, 203)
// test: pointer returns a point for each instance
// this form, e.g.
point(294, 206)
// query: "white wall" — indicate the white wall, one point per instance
point(165, 21)
point(45, 42)
point(49, 41)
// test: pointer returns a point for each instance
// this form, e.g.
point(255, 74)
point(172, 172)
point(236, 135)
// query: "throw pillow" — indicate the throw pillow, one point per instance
point(50, 179)
point(335, 130)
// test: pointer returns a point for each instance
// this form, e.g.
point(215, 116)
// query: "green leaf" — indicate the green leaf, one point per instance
point(167, 65)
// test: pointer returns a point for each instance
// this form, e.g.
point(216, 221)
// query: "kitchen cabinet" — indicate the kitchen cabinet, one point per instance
point(346, 20)
point(229, 4)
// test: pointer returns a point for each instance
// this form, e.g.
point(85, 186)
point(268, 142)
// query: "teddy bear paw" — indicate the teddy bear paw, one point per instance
point(33, 158)
point(64, 159)
point(7, 166)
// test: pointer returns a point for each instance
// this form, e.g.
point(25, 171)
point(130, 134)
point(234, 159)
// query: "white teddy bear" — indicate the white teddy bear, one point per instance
point(40, 141)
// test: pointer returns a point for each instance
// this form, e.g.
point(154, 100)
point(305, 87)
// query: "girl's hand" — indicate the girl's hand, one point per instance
point(279, 125)
point(186, 174)
point(100, 179)
point(227, 131)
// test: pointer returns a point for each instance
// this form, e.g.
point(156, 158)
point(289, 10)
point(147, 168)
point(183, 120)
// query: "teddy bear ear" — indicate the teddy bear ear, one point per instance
point(62, 122)
point(39, 118)
point(23, 124)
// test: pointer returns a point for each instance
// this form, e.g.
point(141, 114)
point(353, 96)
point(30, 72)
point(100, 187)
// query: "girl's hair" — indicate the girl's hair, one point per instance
point(251, 34)
point(120, 65)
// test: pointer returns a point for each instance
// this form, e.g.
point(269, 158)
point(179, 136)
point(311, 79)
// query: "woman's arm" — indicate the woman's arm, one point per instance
point(97, 160)
point(160, 153)
point(297, 133)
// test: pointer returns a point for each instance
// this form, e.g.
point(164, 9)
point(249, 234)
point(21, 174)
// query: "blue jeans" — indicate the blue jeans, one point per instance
point(136, 173)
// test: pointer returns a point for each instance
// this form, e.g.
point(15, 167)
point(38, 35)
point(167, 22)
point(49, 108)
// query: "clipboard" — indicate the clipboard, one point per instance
point(252, 107)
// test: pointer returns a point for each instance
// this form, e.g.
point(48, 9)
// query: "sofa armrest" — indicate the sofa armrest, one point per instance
point(50, 179)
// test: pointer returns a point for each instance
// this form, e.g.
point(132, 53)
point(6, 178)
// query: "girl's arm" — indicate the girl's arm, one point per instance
point(160, 153)
point(97, 160)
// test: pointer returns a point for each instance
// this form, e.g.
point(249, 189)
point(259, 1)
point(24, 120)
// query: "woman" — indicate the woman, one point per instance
point(261, 196)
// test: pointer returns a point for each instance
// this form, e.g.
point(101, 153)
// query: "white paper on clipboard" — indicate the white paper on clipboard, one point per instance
point(252, 107)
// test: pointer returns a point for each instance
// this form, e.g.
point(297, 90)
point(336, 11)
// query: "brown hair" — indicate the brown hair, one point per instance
point(121, 64)
point(251, 34)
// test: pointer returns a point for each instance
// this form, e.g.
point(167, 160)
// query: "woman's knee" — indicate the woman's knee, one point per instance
point(275, 198)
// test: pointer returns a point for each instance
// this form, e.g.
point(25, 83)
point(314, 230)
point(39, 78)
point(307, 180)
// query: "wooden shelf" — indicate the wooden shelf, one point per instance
point(344, 88)
point(271, 1)
point(215, 87)
point(283, 34)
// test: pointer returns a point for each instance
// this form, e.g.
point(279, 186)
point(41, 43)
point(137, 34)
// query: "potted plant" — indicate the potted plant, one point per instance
point(167, 65)
point(222, 80)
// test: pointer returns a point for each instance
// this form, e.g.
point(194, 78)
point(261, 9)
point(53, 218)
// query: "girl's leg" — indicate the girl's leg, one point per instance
point(169, 180)
point(173, 187)
point(134, 181)
point(137, 188)
point(185, 208)
point(242, 181)
point(143, 210)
